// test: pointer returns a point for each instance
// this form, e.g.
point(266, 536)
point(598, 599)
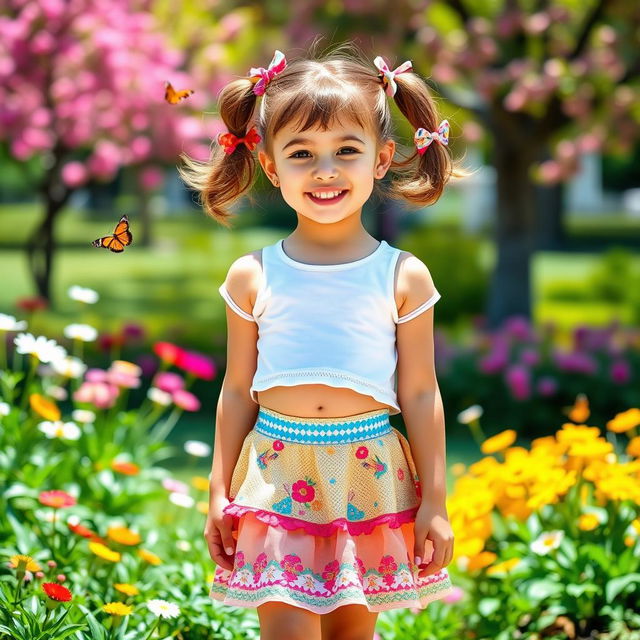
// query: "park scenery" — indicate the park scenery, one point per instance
point(112, 333)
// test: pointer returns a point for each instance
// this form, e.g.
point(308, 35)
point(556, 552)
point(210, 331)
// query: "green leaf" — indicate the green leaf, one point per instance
point(487, 606)
point(541, 589)
point(615, 586)
point(98, 632)
point(576, 590)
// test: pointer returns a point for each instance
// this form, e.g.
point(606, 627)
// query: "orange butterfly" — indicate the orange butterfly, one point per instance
point(172, 96)
point(119, 240)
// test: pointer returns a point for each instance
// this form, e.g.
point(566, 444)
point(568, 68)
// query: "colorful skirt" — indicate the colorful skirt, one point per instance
point(323, 515)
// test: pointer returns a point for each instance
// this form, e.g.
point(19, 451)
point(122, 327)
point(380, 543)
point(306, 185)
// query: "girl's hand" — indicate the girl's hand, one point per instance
point(218, 533)
point(432, 522)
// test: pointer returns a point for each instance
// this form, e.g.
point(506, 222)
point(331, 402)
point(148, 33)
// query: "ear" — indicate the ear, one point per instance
point(384, 158)
point(268, 165)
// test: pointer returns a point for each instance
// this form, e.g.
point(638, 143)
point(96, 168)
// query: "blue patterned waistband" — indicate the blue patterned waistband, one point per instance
point(322, 430)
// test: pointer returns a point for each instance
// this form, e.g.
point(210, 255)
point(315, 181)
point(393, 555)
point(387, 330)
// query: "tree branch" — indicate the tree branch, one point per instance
point(592, 20)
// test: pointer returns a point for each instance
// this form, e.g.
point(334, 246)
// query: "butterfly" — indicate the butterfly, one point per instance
point(119, 240)
point(172, 96)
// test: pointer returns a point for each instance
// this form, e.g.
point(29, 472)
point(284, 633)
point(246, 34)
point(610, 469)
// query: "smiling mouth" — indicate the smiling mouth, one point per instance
point(336, 196)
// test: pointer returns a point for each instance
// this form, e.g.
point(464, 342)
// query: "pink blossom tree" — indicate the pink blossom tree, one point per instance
point(82, 95)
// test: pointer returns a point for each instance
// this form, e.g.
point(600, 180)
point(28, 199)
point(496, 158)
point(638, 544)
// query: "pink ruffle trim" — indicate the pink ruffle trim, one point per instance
point(394, 520)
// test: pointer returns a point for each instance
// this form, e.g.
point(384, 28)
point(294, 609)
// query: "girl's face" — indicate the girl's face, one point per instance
point(343, 160)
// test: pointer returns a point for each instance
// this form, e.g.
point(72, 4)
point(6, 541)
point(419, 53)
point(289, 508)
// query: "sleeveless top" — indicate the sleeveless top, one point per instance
point(332, 324)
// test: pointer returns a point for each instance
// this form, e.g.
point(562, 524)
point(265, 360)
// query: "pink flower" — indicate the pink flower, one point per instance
point(151, 178)
point(362, 453)
point(176, 486)
point(454, 596)
point(197, 364)
point(101, 395)
point(74, 174)
point(185, 400)
point(168, 381)
point(302, 491)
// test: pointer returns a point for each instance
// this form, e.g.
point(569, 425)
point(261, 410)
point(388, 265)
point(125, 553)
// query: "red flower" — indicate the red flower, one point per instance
point(56, 591)
point(302, 491)
point(81, 530)
point(127, 468)
point(32, 303)
point(56, 499)
point(362, 453)
point(167, 351)
point(197, 364)
point(278, 445)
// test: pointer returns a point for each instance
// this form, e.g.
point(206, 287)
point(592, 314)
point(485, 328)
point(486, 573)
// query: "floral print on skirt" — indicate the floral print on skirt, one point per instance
point(324, 510)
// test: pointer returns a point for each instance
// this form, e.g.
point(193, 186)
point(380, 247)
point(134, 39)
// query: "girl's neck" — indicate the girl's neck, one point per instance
point(329, 248)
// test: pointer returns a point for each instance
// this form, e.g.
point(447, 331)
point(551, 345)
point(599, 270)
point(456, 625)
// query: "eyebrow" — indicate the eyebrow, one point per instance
point(307, 141)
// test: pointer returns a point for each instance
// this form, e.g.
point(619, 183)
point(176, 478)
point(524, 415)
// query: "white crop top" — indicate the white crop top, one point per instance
point(331, 324)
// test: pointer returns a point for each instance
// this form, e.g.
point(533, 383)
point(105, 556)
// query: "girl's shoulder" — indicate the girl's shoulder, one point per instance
point(243, 278)
point(413, 281)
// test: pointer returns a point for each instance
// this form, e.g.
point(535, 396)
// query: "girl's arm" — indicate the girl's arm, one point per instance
point(236, 412)
point(418, 392)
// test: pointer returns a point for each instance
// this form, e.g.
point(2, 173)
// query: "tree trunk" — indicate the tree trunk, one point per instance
point(41, 244)
point(510, 289)
point(41, 247)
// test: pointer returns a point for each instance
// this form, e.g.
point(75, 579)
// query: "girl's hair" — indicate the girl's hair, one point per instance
point(313, 93)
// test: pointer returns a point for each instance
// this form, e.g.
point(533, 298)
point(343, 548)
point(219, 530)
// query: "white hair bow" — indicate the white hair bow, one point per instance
point(388, 76)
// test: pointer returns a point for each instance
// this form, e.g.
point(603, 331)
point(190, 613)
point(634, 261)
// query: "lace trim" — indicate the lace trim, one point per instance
point(322, 373)
point(394, 520)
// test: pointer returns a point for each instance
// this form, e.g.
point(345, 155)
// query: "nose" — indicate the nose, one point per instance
point(325, 170)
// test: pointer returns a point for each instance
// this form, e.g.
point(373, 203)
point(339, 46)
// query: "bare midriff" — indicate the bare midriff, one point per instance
point(317, 401)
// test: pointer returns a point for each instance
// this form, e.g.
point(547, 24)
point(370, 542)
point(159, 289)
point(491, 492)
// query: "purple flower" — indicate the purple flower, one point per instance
point(620, 371)
point(518, 327)
point(575, 362)
point(518, 379)
point(530, 357)
point(547, 386)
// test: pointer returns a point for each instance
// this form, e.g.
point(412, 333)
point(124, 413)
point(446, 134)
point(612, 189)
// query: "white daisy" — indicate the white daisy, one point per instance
point(163, 609)
point(57, 392)
point(159, 396)
point(59, 429)
point(547, 541)
point(83, 415)
point(4, 409)
point(197, 448)
point(83, 332)
point(9, 323)
point(70, 367)
point(83, 294)
point(45, 350)
point(183, 545)
point(470, 414)
point(182, 500)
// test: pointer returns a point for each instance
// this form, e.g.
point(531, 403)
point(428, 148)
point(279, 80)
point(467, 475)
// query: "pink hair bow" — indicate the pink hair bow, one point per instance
point(424, 138)
point(261, 76)
point(388, 76)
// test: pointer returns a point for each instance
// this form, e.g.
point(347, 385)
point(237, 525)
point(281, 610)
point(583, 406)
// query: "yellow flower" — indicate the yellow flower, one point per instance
point(499, 442)
point(123, 535)
point(200, 483)
point(117, 609)
point(129, 589)
point(44, 407)
point(102, 551)
point(588, 522)
point(580, 410)
point(624, 421)
point(636, 525)
point(458, 468)
point(633, 448)
point(629, 541)
point(507, 565)
point(482, 560)
point(126, 367)
point(150, 557)
point(22, 563)
point(202, 507)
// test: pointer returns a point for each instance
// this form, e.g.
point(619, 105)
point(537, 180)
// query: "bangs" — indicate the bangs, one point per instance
point(321, 107)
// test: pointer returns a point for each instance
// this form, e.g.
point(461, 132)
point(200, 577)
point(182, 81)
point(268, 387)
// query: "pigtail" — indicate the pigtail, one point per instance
point(426, 175)
point(222, 179)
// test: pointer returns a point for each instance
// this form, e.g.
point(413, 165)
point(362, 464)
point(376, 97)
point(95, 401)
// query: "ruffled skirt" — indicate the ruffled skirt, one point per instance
point(323, 512)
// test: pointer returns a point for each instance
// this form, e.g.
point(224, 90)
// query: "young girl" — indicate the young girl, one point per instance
point(321, 513)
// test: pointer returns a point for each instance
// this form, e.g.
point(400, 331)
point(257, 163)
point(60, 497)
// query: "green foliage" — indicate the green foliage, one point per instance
point(456, 259)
